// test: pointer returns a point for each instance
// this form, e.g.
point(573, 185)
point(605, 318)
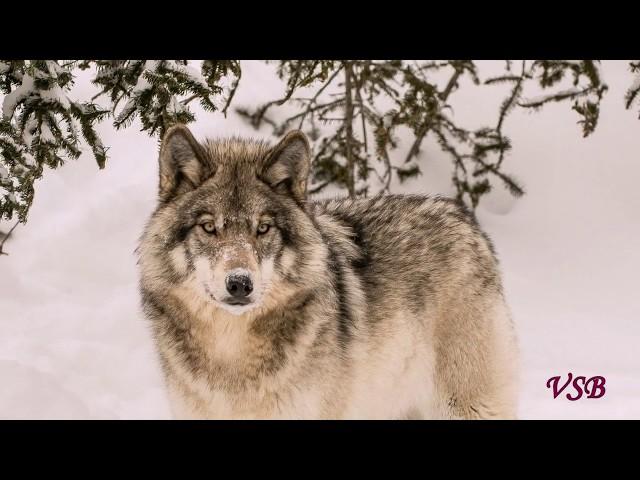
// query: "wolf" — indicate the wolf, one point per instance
point(264, 304)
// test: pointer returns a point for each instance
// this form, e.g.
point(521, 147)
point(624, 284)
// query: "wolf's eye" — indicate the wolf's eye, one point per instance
point(208, 227)
point(263, 228)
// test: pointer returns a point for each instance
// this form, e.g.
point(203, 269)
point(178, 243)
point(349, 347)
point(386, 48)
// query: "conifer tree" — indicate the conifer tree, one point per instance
point(40, 126)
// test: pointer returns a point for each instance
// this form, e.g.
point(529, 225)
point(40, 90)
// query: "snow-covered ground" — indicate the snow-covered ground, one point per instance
point(73, 342)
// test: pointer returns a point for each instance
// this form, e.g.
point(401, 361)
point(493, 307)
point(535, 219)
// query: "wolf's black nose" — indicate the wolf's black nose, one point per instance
point(239, 286)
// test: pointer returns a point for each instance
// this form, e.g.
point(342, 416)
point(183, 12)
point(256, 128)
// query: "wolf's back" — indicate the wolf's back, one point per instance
point(415, 243)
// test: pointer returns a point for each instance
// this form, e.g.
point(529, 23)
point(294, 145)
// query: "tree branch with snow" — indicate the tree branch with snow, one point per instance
point(41, 126)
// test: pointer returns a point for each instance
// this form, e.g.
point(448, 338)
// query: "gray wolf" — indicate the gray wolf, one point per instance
point(266, 305)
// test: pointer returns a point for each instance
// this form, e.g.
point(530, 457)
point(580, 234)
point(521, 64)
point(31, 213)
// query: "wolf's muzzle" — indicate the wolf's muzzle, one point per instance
point(239, 287)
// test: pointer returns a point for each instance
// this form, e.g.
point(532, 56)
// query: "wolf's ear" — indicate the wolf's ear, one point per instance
point(182, 162)
point(288, 163)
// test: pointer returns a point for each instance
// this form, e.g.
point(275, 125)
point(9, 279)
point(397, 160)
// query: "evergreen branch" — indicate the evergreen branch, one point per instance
point(424, 129)
point(570, 93)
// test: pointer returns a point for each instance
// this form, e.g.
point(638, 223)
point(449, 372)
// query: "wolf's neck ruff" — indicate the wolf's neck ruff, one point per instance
point(265, 305)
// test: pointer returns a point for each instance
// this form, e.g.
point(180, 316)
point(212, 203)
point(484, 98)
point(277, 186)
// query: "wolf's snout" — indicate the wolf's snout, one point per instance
point(239, 286)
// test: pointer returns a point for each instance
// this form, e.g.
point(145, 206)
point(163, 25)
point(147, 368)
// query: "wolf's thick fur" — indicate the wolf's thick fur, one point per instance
point(388, 307)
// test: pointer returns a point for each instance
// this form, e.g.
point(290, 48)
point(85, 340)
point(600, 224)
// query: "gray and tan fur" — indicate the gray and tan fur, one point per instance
point(264, 304)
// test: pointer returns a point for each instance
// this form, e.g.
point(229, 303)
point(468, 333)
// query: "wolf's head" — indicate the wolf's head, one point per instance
point(231, 228)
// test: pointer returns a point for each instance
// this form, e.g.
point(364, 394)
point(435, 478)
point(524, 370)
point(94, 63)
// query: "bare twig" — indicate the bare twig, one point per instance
point(320, 187)
point(508, 104)
point(315, 108)
point(388, 171)
point(313, 100)
point(256, 118)
point(362, 115)
point(6, 237)
point(232, 93)
point(186, 101)
point(348, 118)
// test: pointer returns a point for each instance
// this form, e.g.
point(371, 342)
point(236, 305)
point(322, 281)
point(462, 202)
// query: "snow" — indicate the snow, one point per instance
point(151, 65)
point(28, 159)
point(27, 134)
point(193, 74)
point(54, 68)
point(11, 100)
point(46, 135)
point(26, 89)
point(55, 94)
point(126, 110)
point(175, 106)
point(141, 85)
point(3, 173)
point(10, 141)
point(74, 343)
